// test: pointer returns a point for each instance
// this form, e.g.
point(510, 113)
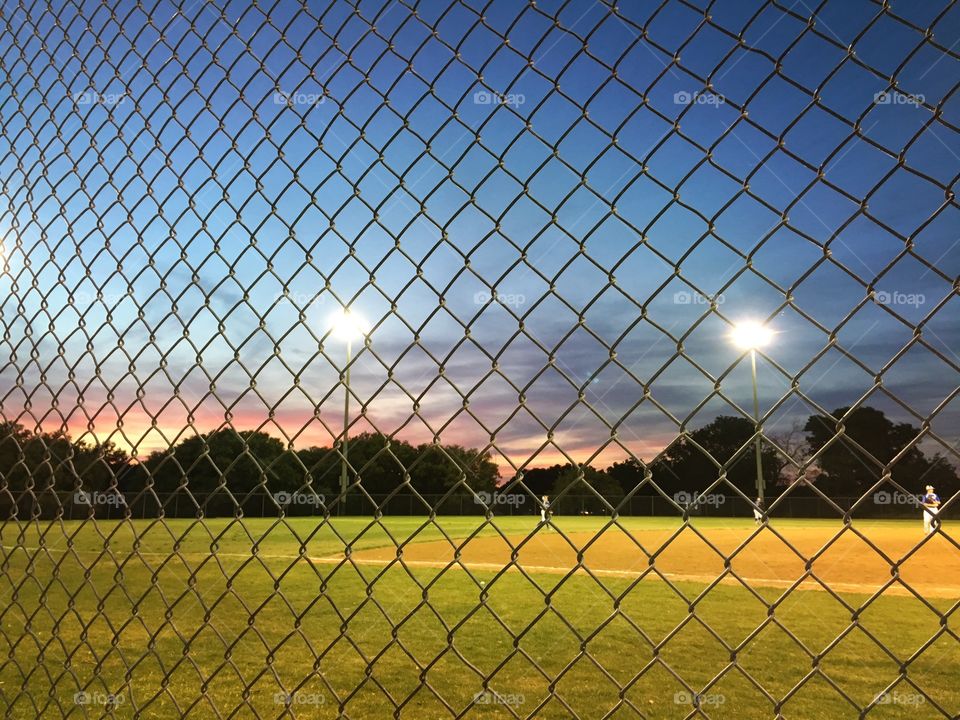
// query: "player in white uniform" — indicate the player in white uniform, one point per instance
point(758, 511)
point(545, 509)
point(931, 506)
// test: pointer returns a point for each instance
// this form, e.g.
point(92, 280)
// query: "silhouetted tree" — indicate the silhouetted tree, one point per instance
point(383, 464)
point(579, 497)
point(794, 443)
point(52, 461)
point(849, 470)
point(685, 467)
point(438, 468)
point(628, 474)
point(239, 460)
point(541, 481)
point(320, 469)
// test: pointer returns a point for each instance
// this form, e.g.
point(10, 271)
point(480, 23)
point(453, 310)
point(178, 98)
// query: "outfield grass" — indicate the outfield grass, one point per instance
point(179, 617)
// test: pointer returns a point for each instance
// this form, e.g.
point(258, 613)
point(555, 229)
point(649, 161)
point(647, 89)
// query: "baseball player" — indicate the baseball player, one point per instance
point(931, 506)
point(545, 509)
point(758, 510)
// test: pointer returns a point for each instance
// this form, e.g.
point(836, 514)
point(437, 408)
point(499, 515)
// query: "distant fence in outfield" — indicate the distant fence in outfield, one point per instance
point(105, 505)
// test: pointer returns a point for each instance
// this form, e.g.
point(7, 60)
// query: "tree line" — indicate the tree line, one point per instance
point(851, 444)
point(240, 461)
point(243, 461)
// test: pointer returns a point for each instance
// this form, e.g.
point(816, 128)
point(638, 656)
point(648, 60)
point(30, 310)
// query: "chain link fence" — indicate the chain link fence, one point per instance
point(374, 359)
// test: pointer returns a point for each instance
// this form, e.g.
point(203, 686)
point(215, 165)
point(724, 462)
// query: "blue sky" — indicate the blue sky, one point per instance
point(190, 191)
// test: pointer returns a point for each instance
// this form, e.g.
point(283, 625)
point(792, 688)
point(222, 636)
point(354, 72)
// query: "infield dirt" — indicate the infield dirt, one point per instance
point(841, 558)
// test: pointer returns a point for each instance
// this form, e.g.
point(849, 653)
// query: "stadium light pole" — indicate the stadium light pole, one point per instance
point(346, 325)
point(750, 336)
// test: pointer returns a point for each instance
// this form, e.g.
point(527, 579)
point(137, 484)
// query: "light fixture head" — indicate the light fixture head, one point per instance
point(346, 324)
point(751, 335)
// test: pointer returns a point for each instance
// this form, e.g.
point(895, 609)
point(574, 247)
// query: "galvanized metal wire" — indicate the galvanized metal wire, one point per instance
point(187, 181)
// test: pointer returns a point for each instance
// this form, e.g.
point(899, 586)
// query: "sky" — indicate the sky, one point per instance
point(562, 206)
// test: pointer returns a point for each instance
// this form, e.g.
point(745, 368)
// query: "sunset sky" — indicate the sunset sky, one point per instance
point(186, 201)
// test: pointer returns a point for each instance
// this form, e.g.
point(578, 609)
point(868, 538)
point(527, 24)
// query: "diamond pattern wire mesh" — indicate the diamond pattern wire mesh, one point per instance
point(527, 200)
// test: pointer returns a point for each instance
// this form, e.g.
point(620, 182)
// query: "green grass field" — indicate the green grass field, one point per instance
point(218, 619)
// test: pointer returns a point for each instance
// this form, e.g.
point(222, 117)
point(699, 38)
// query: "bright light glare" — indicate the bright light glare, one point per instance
point(348, 325)
point(751, 335)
